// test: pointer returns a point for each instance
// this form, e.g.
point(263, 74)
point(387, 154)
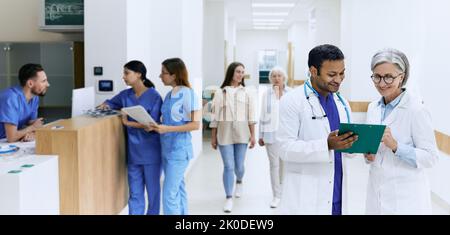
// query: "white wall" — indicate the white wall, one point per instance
point(214, 43)
point(19, 22)
point(434, 60)
point(231, 40)
point(298, 35)
point(105, 45)
point(192, 54)
point(322, 27)
point(139, 33)
point(166, 37)
point(249, 42)
point(324, 22)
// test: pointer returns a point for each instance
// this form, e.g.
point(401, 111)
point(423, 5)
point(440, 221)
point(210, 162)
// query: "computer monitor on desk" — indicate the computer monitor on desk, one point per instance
point(83, 99)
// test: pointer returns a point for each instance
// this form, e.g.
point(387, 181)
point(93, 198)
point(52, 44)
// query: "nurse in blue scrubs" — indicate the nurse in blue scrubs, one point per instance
point(180, 116)
point(143, 148)
point(19, 104)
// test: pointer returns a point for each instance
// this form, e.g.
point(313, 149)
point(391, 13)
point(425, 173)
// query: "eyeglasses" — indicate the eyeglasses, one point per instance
point(314, 116)
point(388, 79)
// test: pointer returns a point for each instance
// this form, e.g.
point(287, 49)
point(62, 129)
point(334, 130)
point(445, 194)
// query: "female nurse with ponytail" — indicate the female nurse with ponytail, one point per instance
point(143, 148)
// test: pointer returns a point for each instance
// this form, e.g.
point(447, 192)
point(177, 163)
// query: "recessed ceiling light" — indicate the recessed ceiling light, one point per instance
point(273, 5)
point(270, 13)
point(268, 20)
point(267, 23)
point(265, 27)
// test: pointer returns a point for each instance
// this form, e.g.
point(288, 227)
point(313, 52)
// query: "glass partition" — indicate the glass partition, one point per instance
point(58, 62)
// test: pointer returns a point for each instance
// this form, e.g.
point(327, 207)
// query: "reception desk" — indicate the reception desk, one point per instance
point(92, 164)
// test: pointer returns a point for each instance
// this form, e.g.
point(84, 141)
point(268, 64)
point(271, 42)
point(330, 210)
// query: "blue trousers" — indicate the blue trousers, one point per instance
point(174, 189)
point(139, 178)
point(233, 157)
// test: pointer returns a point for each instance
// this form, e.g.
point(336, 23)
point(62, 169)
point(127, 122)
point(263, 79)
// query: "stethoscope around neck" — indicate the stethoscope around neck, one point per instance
point(324, 115)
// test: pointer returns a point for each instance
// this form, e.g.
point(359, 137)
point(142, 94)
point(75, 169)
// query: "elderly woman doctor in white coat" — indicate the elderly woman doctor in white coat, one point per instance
point(397, 180)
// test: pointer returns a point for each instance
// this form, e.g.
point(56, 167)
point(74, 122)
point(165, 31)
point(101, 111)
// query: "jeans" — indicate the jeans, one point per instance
point(233, 156)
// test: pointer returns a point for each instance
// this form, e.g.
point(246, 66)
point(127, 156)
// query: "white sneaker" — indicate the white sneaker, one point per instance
point(238, 190)
point(275, 202)
point(228, 205)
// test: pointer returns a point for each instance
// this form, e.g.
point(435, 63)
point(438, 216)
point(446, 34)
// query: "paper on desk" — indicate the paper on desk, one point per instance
point(139, 114)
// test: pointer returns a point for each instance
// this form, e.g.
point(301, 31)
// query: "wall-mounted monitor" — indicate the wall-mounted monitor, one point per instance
point(62, 15)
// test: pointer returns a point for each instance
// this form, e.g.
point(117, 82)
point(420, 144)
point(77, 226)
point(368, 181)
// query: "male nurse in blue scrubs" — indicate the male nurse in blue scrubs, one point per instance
point(19, 104)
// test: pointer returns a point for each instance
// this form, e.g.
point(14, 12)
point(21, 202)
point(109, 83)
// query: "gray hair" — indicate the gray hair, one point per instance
point(280, 70)
point(392, 56)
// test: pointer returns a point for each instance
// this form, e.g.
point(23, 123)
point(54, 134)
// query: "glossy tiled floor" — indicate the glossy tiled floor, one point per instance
point(206, 191)
point(206, 194)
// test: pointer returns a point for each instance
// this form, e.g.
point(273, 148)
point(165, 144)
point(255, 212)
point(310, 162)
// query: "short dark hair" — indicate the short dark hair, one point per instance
point(28, 71)
point(321, 53)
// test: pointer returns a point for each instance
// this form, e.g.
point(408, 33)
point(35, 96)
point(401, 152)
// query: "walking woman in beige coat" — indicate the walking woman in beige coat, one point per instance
point(233, 128)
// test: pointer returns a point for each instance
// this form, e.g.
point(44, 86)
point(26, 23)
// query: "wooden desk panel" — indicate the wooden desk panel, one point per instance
point(92, 164)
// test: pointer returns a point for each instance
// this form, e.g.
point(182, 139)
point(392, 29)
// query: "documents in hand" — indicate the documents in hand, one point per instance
point(369, 137)
point(139, 114)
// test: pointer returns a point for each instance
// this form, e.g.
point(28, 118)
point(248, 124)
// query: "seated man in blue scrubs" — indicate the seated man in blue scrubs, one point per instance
point(19, 104)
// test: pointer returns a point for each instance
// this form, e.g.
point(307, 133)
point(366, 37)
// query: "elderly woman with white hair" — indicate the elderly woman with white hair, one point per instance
point(397, 181)
point(268, 127)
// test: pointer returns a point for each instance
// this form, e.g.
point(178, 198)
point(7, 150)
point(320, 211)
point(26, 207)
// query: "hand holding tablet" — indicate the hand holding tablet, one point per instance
point(369, 137)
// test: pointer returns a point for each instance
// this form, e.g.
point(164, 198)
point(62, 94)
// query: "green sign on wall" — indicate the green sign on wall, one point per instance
point(64, 12)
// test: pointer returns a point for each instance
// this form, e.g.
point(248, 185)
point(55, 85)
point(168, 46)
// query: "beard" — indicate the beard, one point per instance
point(40, 94)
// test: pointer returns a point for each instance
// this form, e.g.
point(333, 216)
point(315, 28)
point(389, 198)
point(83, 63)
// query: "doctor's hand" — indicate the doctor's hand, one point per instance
point(389, 140)
point(369, 157)
point(343, 141)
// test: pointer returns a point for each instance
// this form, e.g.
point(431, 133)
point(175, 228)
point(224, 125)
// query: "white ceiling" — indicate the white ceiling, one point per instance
point(242, 12)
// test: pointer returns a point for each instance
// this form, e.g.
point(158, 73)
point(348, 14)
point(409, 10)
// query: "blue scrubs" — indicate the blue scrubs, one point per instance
point(15, 110)
point(143, 153)
point(176, 149)
point(332, 113)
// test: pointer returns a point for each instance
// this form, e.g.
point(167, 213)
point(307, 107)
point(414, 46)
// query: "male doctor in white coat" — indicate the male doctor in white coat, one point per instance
point(314, 180)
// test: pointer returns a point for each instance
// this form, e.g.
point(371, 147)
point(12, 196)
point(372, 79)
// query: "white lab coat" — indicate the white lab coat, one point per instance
point(395, 187)
point(309, 165)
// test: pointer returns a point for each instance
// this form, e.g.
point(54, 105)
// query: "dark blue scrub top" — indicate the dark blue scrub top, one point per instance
point(142, 147)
